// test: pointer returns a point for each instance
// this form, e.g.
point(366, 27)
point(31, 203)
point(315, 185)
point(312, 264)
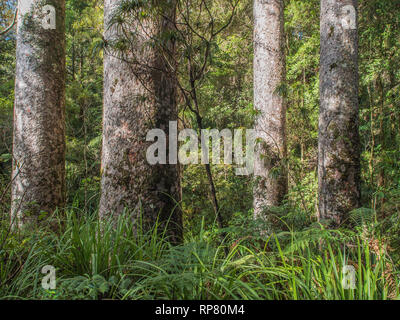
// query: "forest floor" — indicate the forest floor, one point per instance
point(96, 261)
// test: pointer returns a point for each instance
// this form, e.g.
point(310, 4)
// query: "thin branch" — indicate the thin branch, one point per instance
point(11, 25)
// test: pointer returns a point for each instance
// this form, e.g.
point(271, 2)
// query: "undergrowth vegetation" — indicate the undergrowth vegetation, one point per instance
point(299, 259)
point(95, 260)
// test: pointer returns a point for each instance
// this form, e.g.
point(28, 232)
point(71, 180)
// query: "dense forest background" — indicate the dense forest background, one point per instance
point(302, 258)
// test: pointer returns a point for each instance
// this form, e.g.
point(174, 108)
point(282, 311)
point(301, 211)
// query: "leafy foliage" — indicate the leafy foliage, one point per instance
point(301, 259)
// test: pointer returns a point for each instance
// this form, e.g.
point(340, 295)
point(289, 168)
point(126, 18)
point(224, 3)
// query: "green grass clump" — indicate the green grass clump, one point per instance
point(102, 260)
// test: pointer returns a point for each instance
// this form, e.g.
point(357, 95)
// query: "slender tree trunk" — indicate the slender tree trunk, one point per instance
point(269, 76)
point(136, 101)
point(39, 114)
point(339, 143)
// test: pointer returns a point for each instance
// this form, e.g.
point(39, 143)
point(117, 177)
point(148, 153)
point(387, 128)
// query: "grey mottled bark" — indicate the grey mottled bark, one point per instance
point(269, 76)
point(137, 99)
point(339, 145)
point(39, 113)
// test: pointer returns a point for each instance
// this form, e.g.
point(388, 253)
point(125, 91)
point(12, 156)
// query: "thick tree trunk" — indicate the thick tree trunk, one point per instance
point(269, 77)
point(136, 100)
point(339, 145)
point(39, 114)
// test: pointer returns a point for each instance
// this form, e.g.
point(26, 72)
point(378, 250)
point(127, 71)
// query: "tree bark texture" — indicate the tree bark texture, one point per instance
point(38, 178)
point(138, 98)
point(269, 76)
point(339, 142)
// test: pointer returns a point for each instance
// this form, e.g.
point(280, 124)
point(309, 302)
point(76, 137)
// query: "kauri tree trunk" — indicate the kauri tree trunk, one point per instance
point(339, 145)
point(269, 101)
point(38, 178)
point(137, 99)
